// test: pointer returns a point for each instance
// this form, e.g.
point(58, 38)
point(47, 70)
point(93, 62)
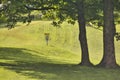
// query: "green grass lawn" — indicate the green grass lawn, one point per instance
point(24, 54)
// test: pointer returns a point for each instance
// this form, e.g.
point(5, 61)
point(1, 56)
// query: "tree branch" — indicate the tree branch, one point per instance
point(44, 8)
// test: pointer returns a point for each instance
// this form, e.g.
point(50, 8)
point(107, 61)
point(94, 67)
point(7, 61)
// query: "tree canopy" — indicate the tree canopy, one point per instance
point(56, 10)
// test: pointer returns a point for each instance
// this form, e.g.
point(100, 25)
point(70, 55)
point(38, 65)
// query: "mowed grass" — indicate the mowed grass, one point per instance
point(24, 54)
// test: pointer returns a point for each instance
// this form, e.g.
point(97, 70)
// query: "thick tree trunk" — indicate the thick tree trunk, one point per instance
point(82, 36)
point(108, 60)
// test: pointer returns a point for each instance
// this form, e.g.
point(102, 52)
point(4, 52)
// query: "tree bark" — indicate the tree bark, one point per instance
point(82, 36)
point(108, 60)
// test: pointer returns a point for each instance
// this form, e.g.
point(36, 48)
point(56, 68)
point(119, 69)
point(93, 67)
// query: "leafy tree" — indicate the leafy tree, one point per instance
point(82, 34)
point(108, 60)
point(58, 11)
point(71, 11)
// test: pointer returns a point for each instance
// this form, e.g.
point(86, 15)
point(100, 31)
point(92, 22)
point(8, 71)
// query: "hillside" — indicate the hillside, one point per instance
point(63, 40)
point(24, 54)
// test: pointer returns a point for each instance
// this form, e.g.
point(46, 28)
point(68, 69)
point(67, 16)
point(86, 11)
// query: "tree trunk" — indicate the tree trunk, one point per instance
point(108, 60)
point(82, 36)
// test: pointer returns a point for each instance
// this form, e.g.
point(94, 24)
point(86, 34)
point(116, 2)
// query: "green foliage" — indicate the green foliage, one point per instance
point(56, 10)
point(93, 9)
point(2, 19)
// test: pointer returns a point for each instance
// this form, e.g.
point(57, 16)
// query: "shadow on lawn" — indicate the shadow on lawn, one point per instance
point(21, 55)
point(31, 65)
point(37, 67)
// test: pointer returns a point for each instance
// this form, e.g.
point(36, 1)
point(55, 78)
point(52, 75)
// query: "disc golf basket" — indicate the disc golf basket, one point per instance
point(47, 37)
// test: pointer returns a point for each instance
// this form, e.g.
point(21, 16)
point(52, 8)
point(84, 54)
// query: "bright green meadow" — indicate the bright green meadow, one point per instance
point(24, 54)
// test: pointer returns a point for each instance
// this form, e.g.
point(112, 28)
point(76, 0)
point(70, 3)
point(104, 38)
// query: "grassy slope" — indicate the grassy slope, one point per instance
point(24, 54)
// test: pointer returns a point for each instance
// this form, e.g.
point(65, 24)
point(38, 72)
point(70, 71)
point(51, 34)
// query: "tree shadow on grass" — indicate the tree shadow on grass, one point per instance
point(37, 67)
point(23, 62)
point(41, 70)
point(19, 54)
